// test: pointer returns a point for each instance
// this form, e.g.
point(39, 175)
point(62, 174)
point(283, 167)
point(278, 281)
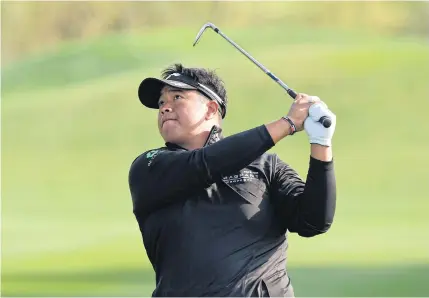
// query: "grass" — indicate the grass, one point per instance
point(72, 124)
point(307, 281)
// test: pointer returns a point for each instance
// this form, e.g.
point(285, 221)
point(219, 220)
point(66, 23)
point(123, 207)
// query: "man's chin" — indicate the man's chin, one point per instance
point(171, 138)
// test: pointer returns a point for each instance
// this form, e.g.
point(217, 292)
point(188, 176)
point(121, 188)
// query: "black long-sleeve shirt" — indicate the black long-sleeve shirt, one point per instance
point(214, 220)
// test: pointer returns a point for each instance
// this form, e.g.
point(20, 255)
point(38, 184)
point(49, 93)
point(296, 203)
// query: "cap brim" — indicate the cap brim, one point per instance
point(150, 90)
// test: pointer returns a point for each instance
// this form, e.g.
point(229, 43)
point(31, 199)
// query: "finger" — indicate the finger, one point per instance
point(300, 97)
point(313, 99)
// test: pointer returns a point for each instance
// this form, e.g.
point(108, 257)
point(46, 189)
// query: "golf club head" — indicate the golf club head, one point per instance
point(206, 25)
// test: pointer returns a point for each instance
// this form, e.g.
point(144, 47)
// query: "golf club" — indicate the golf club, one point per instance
point(326, 121)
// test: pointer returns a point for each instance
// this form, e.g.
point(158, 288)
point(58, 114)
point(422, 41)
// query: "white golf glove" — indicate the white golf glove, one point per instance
point(317, 133)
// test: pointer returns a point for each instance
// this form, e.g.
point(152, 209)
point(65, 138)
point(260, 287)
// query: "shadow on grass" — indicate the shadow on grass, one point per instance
point(323, 281)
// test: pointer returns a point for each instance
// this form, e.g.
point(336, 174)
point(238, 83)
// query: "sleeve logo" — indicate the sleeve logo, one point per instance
point(151, 155)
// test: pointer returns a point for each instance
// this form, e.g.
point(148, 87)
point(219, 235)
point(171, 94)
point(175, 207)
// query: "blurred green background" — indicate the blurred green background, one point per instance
point(72, 125)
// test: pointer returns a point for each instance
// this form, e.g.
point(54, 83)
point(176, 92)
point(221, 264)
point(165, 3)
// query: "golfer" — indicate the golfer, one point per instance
point(214, 212)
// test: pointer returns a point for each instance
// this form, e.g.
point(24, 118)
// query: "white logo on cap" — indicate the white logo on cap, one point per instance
point(180, 84)
point(174, 75)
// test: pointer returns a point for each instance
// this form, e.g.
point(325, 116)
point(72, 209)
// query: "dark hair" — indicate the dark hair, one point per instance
point(204, 76)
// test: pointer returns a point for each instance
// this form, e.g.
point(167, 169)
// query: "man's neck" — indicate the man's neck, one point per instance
point(196, 142)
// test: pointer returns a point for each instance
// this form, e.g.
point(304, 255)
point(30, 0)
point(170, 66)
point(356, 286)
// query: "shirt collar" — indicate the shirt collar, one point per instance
point(214, 136)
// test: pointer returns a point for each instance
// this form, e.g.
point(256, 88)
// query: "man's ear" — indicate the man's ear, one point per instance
point(212, 109)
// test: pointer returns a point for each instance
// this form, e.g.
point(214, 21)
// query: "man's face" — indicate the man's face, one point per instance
point(181, 113)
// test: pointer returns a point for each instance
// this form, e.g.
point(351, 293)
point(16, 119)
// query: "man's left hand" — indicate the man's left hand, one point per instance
point(317, 133)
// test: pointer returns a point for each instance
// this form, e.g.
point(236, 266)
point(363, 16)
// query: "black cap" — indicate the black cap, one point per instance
point(150, 90)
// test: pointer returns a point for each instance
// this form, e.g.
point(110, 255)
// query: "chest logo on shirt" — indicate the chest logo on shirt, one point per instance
point(242, 176)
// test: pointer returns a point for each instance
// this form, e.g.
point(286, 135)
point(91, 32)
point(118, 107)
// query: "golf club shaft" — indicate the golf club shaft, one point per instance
point(263, 68)
point(325, 120)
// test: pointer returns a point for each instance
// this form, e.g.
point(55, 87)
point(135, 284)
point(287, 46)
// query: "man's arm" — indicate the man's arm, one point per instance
point(320, 152)
point(306, 208)
point(164, 177)
point(161, 178)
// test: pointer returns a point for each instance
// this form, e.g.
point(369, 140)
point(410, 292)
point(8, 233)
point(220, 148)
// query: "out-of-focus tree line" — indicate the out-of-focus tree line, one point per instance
point(29, 27)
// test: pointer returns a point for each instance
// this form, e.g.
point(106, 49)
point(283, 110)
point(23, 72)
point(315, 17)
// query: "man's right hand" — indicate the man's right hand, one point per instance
point(298, 112)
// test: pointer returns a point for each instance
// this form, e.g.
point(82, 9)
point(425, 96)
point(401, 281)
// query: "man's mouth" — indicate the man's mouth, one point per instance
point(166, 120)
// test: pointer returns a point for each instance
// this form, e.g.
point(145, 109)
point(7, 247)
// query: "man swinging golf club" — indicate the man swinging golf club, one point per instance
point(214, 211)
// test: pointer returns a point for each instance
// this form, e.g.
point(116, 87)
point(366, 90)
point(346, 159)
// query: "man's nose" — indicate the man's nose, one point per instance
point(166, 109)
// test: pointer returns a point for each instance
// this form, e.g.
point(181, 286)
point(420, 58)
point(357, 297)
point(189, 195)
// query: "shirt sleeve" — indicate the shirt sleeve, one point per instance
point(161, 177)
point(306, 208)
